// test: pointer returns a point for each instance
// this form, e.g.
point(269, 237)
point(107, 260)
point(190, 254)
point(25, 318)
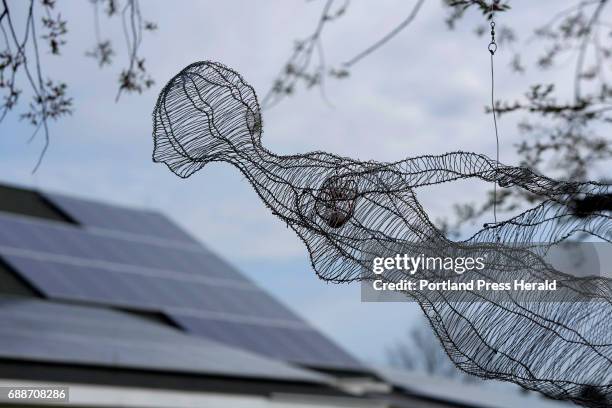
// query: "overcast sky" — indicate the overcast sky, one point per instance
point(423, 93)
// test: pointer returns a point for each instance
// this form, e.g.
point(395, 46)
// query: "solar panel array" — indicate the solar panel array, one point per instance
point(135, 268)
point(40, 330)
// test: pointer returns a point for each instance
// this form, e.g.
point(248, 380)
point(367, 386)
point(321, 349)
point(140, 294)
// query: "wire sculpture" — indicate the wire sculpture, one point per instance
point(348, 212)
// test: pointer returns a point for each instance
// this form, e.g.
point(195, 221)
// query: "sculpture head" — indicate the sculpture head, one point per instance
point(207, 112)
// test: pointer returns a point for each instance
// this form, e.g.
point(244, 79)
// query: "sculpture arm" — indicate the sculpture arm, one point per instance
point(427, 170)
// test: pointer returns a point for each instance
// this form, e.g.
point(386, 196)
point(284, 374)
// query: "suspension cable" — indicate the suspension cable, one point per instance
point(492, 49)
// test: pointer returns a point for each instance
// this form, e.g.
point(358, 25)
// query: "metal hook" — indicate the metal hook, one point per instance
point(492, 47)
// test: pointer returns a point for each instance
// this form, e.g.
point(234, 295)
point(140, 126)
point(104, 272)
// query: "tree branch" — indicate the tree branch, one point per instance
point(387, 37)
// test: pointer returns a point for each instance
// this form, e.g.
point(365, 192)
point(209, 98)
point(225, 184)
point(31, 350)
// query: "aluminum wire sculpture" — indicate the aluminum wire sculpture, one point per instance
point(347, 212)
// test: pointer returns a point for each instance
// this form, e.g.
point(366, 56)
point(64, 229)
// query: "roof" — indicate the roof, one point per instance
point(139, 260)
point(454, 392)
point(44, 331)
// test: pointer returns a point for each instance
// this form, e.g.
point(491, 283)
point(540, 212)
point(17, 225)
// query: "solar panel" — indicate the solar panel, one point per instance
point(63, 240)
point(186, 282)
point(117, 218)
point(97, 284)
point(51, 332)
point(299, 344)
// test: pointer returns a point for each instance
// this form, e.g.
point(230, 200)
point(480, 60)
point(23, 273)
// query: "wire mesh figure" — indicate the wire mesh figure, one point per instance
point(348, 212)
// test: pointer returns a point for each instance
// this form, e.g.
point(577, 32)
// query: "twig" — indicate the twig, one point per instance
point(387, 37)
point(297, 65)
point(583, 48)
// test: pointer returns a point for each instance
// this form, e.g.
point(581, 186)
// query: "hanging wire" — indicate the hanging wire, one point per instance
point(492, 49)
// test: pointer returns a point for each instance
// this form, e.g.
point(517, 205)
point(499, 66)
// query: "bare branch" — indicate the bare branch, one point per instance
point(586, 33)
point(297, 68)
point(20, 55)
point(387, 37)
